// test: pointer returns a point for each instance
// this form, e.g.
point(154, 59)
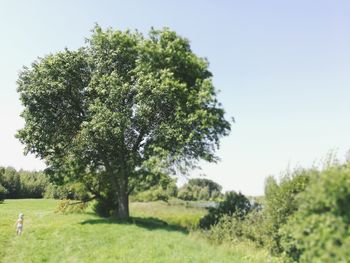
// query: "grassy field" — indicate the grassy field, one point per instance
point(157, 233)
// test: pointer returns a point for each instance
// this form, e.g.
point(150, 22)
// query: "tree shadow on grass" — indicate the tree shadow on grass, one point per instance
point(150, 223)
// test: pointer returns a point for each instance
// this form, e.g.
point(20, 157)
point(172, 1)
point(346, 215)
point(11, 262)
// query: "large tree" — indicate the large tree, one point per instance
point(119, 108)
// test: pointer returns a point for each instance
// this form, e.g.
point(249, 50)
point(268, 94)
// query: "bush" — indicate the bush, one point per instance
point(200, 189)
point(280, 203)
point(227, 230)
point(234, 204)
point(186, 193)
point(320, 230)
point(154, 194)
point(3, 193)
point(105, 205)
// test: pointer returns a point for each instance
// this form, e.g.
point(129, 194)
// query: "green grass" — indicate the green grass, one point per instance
point(157, 233)
point(177, 215)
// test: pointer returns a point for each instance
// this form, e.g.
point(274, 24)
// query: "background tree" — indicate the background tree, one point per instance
point(118, 108)
point(11, 181)
point(200, 189)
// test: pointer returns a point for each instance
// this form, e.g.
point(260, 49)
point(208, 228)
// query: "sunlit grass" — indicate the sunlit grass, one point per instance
point(156, 234)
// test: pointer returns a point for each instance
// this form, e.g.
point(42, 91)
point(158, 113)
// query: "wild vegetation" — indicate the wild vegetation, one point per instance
point(304, 217)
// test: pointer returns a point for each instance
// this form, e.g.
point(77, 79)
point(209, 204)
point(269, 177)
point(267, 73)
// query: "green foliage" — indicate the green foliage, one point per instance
point(10, 179)
point(186, 193)
point(73, 191)
point(164, 187)
point(280, 203)
point(3, 193)
point(153, 194)
point(234, 204)
point(228, 229)
point(33, 184)
point(171, 212)
point(200, 189)
point(23, 184)
point(233, 230)
point(320, 230)
point(121, 107)
point(105, 205)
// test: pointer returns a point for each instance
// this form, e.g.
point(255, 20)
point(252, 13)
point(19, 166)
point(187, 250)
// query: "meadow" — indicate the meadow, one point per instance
point(157, 232)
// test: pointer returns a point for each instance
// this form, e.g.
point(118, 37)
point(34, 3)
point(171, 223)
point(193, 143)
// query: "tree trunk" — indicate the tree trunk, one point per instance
point(123, 199)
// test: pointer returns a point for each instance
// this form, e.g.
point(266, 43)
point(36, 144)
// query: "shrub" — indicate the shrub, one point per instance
point(253, 227)
point(186, 193)
point(227, 230)
point(234, 228)
point(105, 205)
point(200, 189)
point(234, 204)
point(153, 194)
point(320, 230)
point(3, 193)
point(280, 203)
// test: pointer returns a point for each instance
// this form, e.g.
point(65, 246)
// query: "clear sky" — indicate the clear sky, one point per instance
point(283, 68)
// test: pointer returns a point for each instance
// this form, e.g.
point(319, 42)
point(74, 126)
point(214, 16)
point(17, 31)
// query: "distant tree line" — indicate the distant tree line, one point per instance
point(22, 184)
point(197, 189)
point(33, 184)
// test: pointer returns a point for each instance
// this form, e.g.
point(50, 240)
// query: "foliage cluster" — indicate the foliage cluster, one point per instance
point(160, 190)
point(26, 184)
point(200, 189)
point(235, 204)
point(120, 108)
point(3, 193)
point(22, 184)
point(319, 231)
point(305, 217)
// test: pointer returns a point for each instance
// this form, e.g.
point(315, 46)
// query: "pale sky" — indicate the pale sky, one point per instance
point(283, 68)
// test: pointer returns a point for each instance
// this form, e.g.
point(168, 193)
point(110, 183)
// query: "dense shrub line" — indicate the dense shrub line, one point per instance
point(304, 217)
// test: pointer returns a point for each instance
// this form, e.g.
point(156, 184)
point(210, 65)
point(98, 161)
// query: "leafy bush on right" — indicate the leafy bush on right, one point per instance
point(280, 203)
point(320, 230)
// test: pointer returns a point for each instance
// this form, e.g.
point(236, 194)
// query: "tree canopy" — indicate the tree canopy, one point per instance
point(200, 189)
point(119, 109)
